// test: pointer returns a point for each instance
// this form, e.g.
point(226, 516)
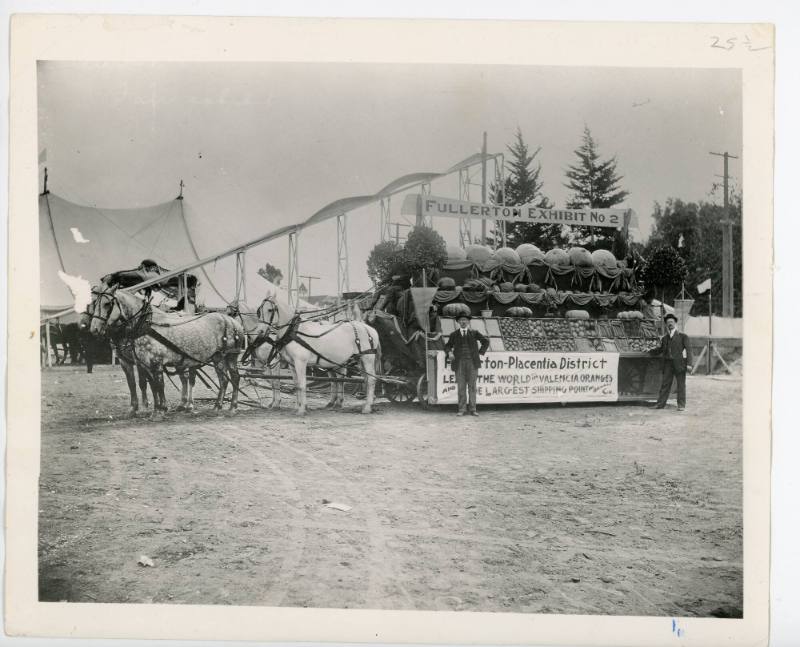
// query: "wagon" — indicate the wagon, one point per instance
point(535, 359)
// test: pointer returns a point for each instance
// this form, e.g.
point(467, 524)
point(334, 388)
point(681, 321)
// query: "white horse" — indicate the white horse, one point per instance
point(260, 342)
point(160, 339)
point(329, 346)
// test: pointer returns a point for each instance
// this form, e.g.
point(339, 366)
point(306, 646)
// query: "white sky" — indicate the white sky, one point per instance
point(263, 145)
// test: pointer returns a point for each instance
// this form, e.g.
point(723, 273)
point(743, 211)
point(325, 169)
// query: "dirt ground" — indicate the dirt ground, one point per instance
point(596, 509)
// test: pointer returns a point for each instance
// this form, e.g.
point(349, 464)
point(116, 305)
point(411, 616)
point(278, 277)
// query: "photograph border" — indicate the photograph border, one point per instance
point(183, 38)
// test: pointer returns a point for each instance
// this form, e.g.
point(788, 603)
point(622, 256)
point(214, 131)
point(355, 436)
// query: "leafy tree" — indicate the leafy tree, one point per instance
point(594, 183)
point(522, 185)
point(424, 249)
point(271, 273)
point(695, 231)
point(664, 270)
point(385, 260)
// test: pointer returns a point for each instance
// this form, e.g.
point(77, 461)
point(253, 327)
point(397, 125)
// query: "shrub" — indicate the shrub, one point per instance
point(664, 269)
point(425, 249)
point(385, 260)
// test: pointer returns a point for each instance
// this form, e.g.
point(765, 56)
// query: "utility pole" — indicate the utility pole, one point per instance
point(306, 276)
point(397, 226)
point(483, 187)
point(727, 242)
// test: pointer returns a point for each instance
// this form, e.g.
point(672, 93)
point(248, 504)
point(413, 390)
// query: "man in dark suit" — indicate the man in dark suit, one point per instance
point(676, 354)
point(463, 343)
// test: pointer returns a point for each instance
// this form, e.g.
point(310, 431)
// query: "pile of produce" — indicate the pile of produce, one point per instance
point(519, 311)
point(478, 253)
point(529, 253)
point(557, 257)
point(455, 310)
point(580, 257)
point(602, 258)
point(513, 328)
point(455, 253)
point(507, 255)
point(639, 345)
point(576, 335)
point(556, 328)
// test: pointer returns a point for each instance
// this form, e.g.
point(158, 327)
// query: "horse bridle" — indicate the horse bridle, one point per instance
point(273, 312)
point(131, 322)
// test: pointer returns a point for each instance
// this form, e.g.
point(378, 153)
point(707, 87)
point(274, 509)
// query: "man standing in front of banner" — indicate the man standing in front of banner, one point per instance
point(676, 355)
point(463, 343)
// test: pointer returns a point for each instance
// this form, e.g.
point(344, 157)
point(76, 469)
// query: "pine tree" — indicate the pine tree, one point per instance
point(523, 185)
point(595, 184)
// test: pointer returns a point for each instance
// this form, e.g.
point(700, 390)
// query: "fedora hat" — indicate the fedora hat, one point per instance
point(463, 315)
point(669, 315)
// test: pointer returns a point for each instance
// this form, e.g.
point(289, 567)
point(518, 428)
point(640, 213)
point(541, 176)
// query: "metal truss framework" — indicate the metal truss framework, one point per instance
point(337, 209)
point(241, 278)
point(499, 182)
point(425, 189)
point(342, 263)
point(293, 278)
point(386, 224)
point(464, 224)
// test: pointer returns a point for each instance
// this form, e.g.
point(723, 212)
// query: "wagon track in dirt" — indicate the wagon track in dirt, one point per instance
point(292, 558)
point(612, 509)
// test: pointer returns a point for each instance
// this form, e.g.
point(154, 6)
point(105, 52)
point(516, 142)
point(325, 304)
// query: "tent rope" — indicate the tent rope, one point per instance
point(197, 256)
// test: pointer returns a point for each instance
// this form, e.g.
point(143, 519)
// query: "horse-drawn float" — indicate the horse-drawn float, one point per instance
point(566, 326)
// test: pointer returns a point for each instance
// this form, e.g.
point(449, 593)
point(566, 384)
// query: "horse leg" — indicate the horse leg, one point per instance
point(340, 392)
point(222, 376)
point(233, 373)
point(275, 403)
point(184, 375)
point(334, 390)
point(157, 388)
point(144, 379)
point(299, 371)
point(88, 351)
point(130, 377)
point(368, 367)
point(190, 398)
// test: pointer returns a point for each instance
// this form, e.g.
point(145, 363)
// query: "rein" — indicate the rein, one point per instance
point(140, 324)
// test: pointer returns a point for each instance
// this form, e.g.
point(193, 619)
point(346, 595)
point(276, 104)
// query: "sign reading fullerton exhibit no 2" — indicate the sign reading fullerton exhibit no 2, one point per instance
point(430, 205)
point(506, 377)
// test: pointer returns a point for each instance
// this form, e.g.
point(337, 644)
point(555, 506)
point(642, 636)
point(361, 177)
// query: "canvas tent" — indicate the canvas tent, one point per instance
point(92, 242)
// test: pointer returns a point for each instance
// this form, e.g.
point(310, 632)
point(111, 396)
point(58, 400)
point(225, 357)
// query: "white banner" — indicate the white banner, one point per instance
point(431, 205)
point(536, 377)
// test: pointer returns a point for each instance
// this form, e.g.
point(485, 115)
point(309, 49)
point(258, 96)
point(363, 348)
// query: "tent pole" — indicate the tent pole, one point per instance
point(49, 347)
point(708, 359)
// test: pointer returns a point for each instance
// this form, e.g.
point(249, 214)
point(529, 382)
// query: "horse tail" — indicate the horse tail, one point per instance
point(241, 337)
point(234, 339)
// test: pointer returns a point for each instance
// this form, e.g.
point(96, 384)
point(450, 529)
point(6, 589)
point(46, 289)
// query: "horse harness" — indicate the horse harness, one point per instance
point(141, 325)
point(293, 334)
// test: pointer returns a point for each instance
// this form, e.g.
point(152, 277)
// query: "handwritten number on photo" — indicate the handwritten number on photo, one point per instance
point(729, 43)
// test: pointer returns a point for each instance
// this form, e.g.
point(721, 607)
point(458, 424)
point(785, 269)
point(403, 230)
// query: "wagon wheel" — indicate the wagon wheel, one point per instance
point(396, 392)
point(422, 391)
point(399, 393)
